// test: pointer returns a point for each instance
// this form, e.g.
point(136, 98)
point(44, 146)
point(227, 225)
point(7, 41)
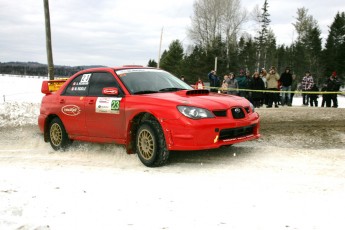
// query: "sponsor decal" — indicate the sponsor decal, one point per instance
point(123, 73)
point(71, 110)
point(108, 105)
point(112, 91)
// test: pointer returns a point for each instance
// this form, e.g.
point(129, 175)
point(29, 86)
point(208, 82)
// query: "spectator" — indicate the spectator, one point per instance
point(242, 83)
point(182, 78)
point(293, 87)
point(263, 75)
point(214, 81)
point(332, 85)
point(325, 96)
point(257, 84)
point(232, 84)
point(224, 88)
point(272, 85)
point(199, 84)
point(307, 84)
point(286, 82)
point(313, 97)
point(248, 94)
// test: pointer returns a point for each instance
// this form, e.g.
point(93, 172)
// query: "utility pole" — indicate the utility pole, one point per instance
point(159, 51)
point(48, 41)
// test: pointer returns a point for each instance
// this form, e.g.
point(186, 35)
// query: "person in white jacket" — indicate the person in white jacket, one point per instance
point(272, 79)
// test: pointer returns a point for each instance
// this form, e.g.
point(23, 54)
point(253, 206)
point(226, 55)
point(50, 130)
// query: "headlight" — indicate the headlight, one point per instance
point(194, 112)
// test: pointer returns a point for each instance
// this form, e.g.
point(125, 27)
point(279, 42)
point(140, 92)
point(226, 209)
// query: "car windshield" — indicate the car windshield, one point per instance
point(142, 81)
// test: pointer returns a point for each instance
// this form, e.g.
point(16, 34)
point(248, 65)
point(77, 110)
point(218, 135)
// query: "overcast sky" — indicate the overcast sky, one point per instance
point(119, 32)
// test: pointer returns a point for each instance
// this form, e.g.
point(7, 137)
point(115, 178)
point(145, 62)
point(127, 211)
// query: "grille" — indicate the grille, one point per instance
point(219, 113)
point(237, 113)
point(236, 132)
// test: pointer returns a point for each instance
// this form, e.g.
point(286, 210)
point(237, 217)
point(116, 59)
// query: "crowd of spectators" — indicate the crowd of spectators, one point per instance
point(271, 89)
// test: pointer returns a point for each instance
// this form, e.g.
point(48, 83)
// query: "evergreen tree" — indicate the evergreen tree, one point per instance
point(152, 63)
point(171, 60)
point(262, 37)
point(195, 65)
point(270, 58)
point(308, 45)
point(314, 47)
point(247, 54)
point(334, 53)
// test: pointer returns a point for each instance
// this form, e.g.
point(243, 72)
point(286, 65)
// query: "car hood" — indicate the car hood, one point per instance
point(198, 98)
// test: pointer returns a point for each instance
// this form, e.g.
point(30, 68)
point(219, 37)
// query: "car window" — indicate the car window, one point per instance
point(99, 81)
point(139, 81)
point(79, 86)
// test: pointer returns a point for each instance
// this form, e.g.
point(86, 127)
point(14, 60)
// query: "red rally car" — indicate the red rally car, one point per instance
point(148, 110)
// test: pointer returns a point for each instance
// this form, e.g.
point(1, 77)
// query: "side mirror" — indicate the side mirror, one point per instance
point(111, 91)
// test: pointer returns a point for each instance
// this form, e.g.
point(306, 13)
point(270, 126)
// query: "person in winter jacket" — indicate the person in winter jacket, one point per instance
point(313, 98)
point(272, 85)
point(263, 74)
point(232, 84)
point(257, 84)
point(214, 81)
point(224, 88)
point(332, 84)
point(293, 87)
point(242, 83)
point(286, 82)
point(199, 84)
point(307, 84)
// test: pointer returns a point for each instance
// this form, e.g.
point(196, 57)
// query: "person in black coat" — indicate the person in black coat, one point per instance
point(257, 84)
point(286, 82)
point(214, 81)
point(313, 98)
point(332, 84)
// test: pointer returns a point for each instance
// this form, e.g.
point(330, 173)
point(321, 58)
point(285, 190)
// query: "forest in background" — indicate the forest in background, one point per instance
point(216, 34)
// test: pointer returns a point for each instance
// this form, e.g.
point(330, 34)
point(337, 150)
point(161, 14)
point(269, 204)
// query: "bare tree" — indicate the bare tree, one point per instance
point(232, 21)
point(216, 18)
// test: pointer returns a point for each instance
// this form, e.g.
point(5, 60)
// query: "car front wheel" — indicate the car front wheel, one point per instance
point(150, 144)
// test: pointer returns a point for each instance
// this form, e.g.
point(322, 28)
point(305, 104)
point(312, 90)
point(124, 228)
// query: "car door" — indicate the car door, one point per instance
point(71, 103)
point(105, 114)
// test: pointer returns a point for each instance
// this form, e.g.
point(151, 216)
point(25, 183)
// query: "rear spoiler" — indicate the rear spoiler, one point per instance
point(52, 85)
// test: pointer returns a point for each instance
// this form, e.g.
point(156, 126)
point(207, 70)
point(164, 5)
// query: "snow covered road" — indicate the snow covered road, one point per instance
point(92, 186)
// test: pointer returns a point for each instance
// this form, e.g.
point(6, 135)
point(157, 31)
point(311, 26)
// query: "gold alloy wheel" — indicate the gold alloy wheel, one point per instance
point(146, 144)
point(56, 134)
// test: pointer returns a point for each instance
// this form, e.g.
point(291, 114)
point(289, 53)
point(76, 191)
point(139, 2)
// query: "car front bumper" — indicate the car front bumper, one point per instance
point(188, 134)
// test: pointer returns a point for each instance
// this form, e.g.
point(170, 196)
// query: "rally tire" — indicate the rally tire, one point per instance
point(58, 136)
point(150, 144)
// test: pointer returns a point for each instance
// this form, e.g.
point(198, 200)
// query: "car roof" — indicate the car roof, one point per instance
point(117, 68)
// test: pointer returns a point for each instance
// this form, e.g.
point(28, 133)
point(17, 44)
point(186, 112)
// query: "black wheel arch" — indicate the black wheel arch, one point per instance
point(134, 125)
point(46, 126)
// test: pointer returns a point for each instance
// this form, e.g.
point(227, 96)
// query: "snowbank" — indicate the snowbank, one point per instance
point(22, 96)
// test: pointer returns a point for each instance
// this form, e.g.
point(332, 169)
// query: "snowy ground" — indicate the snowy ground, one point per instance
point(292, 178)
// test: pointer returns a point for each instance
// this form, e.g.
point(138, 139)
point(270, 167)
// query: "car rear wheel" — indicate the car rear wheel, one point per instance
point(58, 137)
point(150, 144)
